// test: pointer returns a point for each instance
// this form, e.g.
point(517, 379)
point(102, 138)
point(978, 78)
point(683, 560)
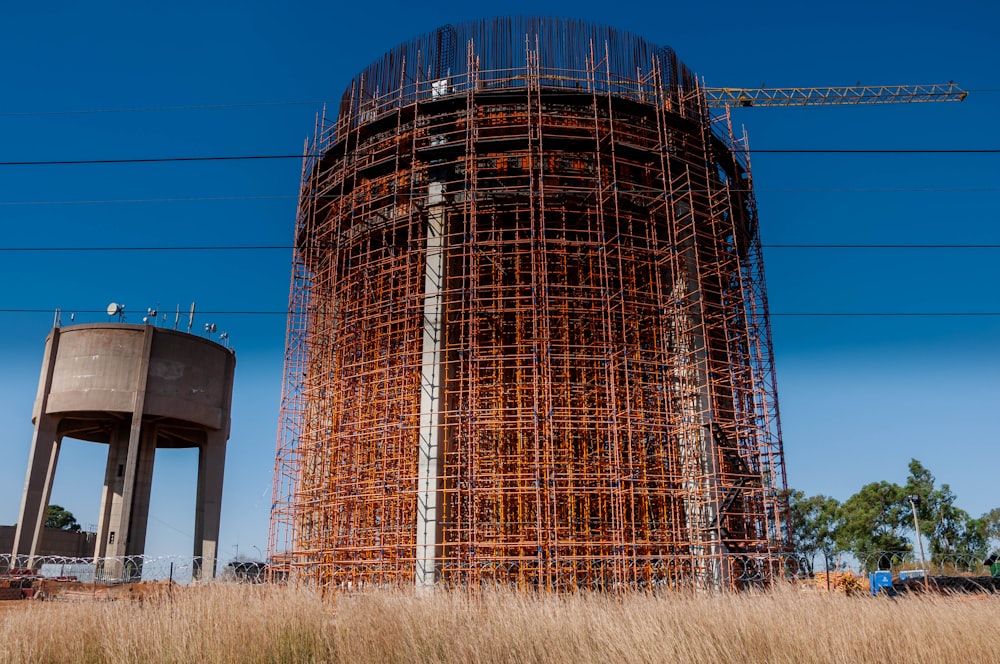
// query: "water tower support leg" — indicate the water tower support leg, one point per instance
point(208, 508)
point(37, 488)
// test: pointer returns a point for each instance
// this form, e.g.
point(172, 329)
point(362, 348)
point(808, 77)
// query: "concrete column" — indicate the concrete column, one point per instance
point(135, 543)
point(431, 391)
point(208, 507)
point(697, 453)
point(117, 541)
point(42, 460)
point(114, 481)
point(37, 488)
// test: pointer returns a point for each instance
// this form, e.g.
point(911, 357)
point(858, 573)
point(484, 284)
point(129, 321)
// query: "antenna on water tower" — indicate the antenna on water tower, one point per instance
point(191, 318)
point(115, 309)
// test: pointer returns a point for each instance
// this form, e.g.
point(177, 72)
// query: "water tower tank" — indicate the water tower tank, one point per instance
point(529, 339)
point(135, 388)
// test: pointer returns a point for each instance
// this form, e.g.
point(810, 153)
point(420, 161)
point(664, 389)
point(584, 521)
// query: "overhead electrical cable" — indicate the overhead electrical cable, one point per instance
point(287, 247)
point(785, 314)
point(158, 109)
point(150, 160)
point(209, 199)
point(269, 157)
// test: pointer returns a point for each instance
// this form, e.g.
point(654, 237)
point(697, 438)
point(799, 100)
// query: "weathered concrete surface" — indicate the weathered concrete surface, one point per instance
point(136, 388)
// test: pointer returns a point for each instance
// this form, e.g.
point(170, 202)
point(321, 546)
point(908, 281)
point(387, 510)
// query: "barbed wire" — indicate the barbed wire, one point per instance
point(131, 569)
point(668, 572)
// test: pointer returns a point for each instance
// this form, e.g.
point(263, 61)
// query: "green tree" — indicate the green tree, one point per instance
point(991, 527)
point(873, 524)
point(919, 482)
point(815, 521)
point(953, 531)
point(63, 519)
point(950, 530)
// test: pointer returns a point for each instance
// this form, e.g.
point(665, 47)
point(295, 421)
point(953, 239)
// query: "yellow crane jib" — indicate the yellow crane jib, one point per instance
point(860, 94)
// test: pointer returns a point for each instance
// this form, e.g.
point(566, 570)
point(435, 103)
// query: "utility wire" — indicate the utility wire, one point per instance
point(805, 314)
point(209, 199)
point(889, 314)
point(271, 157)
point(880, 246)
point(187, 199)
point(151, 160)
point(286, 247)
point(156, 109)
point(874, 150)
point(259, 247)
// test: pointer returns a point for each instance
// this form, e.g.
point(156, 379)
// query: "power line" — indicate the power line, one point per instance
point(265, 157)
point(209, 199)
point(857, 190)
point(258, 247)
point(187, 199)
point(889, 314)
point(874, 150)
point(880, 246)
point(284, 247)
point(786, 314)
point(244, 312)
point(149, 109)
point(150, 160)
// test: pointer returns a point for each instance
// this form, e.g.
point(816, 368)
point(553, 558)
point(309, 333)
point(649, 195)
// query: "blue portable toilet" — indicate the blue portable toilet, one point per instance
point(880, 581)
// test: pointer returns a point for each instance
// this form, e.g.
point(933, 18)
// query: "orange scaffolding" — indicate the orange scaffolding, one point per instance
point(528, 340)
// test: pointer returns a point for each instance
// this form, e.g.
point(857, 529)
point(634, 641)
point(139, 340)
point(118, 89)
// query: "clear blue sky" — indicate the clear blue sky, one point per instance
point(859, 396)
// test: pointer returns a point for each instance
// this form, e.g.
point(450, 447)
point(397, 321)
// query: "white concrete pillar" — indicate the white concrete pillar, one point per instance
point(429, 503)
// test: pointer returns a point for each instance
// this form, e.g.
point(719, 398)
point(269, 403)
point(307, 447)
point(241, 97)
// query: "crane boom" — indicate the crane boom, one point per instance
point(861, 94)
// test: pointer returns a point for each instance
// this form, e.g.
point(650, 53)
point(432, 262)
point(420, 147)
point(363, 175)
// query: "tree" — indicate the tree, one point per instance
point(815, 521)
point(920, 482)
point(991, 526)
point(953, 531)
point(950, 530)
point(873, 523)
point(57, 517)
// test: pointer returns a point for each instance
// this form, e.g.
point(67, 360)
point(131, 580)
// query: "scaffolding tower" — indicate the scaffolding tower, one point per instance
point(528, 341)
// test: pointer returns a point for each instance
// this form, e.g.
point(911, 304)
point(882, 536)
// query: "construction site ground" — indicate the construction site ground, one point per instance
point(75, 591)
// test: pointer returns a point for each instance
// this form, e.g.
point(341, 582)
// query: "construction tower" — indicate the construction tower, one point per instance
point(529, 339)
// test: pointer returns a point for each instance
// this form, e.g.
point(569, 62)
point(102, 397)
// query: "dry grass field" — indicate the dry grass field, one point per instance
point(225, 623)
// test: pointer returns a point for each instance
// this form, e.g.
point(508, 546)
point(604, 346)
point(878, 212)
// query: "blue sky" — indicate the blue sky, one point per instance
point(860, 396)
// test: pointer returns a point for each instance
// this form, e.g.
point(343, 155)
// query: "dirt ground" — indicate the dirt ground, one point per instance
point(74, 591)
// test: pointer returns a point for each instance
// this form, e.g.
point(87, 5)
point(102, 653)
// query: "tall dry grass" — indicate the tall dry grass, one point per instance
point(261, 624)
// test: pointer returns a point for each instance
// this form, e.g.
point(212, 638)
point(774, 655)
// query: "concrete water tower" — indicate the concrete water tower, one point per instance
point(136, 388)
